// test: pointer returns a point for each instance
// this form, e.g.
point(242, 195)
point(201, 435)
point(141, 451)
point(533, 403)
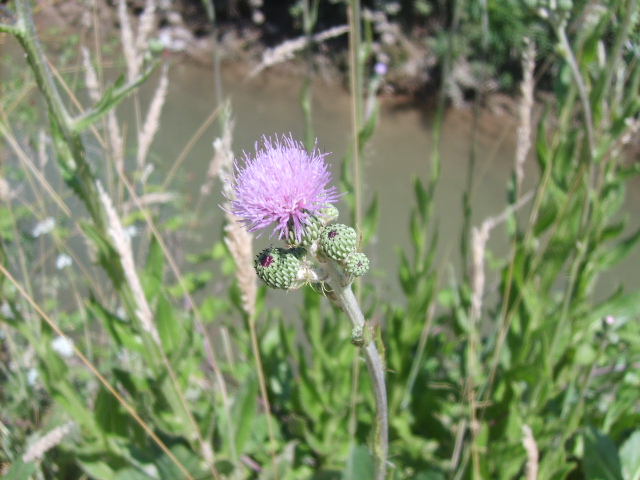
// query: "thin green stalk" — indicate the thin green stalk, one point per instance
point(346, 300)
point(356, 74)
point(567, 52)
point(263, 392)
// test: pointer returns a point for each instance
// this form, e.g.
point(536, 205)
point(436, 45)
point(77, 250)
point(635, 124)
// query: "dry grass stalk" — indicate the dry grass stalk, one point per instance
point(479, 239)
point(238, 240)
point(115, 140)
point(5, 190)
point(222, 162)
point(239, 243)
point(525, 107)
point(286, 50)
point(47, 442)
point(126, 34)
point(43, 158)
point(90, 77)
point(146, 27)
point(147, 199)
point(529, 443)
point(135, 49)
point(122, 245)
point(152, 122)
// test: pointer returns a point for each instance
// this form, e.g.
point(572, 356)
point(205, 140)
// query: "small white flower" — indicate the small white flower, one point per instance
point(130, 231)
point(5, 311)
point(121, 313)
point(63, 346)
point(63, 261)
point(44, 227)
point(32, 376)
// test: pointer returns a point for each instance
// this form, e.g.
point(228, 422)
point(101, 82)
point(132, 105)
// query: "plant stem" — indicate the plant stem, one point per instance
point(346, 300)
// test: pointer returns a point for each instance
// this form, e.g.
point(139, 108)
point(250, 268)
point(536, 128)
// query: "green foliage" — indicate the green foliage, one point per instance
point(165, 402)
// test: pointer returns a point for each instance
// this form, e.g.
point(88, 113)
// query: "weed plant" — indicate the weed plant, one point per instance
point(119, 361)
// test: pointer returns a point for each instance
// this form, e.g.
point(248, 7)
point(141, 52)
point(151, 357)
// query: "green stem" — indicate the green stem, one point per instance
point(346, 300)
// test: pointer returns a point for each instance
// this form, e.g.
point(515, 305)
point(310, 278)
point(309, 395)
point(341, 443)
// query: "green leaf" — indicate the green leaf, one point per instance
point(112, 96)
point(359, 464)
point(109, 414)
point(619, 306)
point(370, 220)
point(122, 332)
point(108, 257)
point(20, 470)
point(630, 457)
point(96, 467)
point(616, 254)
point(153, 269)
point(243, 412)
point(367, 130)
point(600, 461)
point(170, 331)
point(422, 199)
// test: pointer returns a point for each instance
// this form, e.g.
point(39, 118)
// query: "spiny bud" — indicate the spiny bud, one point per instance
point(278, 267)
point(357, 264)
point(338, 241)
point(310, 232)
point(328, 214)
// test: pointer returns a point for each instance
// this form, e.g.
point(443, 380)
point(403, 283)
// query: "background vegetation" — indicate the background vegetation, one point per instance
point(120, 360)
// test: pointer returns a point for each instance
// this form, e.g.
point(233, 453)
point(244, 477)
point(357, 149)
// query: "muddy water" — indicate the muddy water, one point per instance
point(399, 150)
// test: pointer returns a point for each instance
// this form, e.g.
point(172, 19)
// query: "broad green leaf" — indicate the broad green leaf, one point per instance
point(600, 460)
point(146, 472)
point(170, 330)
point(616, 254)
point(620, 306)
point(191, 462)
point(96, 467)
point(20, 470)
point(72, 400)
point(109, 414)
point(153, 269)
point(243, 412)
point(359, 464)
point(630, 457)
point(122, 332)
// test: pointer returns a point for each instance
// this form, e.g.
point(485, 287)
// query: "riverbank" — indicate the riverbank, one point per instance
point(263, 37)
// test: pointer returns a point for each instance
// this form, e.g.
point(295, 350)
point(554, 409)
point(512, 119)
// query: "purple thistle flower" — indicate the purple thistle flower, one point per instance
point(282, 184)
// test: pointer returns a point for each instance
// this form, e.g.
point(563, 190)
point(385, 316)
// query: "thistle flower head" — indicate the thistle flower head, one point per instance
point(282, 184)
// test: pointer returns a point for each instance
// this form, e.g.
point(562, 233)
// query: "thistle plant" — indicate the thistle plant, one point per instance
point(286, 186)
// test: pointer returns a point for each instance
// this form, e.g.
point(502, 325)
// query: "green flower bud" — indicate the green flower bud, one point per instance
point(329, 214)
point(357, 264)
point(357, 337)
point(279, 267)
point(338, 241)
point(310, 232)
